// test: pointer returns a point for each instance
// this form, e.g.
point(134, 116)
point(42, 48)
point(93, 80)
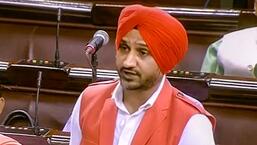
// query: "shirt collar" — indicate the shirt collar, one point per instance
point(117, 96)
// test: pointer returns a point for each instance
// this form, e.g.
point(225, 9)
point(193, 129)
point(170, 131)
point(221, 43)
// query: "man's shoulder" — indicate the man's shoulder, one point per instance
point(103, 83)
point(189, 102)
point(100, 88)
point(192, 106)
point(243, 32)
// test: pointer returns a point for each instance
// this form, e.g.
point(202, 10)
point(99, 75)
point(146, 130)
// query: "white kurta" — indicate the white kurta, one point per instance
point(238, 52)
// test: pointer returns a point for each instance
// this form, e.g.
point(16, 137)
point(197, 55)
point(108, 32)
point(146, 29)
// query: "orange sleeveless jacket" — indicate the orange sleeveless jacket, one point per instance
point(162, 124)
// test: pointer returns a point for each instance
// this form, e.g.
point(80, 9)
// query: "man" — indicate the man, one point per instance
point(4, 140)
point(233, 54)
point(142, 108)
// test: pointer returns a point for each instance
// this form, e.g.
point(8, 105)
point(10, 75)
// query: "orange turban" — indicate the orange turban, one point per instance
point(164, 35)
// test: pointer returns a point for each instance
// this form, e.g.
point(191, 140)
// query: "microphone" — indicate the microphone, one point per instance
point(99, 39)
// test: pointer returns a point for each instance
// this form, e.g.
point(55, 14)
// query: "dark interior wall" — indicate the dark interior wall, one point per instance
point(54, 109)
point(179, 3)
point(198, 45)
point(36, 39)
point(234, 126)
point(236, 4)
point(17, 40)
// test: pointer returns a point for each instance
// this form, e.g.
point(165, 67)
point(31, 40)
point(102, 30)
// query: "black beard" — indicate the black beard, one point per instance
point(143, 85)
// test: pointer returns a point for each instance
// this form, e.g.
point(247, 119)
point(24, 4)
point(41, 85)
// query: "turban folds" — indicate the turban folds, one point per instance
point(164, 35)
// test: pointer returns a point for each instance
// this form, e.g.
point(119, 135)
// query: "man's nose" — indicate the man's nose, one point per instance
point(130, 60)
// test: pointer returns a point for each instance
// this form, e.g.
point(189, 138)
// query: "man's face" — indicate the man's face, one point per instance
point(136, 67)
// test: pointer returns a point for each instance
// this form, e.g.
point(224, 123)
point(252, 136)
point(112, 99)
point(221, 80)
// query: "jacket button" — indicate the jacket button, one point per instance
point(250, 67)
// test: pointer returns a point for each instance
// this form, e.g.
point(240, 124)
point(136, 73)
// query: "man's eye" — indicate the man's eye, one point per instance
point(143, 53)
point(123, 47)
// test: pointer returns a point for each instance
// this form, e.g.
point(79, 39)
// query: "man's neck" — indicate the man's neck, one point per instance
point(133, 99)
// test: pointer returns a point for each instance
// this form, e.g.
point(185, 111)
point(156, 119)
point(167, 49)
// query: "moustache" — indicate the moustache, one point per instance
point(129, 71)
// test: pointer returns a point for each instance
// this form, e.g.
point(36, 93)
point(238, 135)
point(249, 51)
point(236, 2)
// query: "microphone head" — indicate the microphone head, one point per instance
point(103, 34)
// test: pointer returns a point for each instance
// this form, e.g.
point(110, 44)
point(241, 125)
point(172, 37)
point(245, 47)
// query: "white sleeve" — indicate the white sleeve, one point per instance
point(198, 131)
point(66, 128)
point(75, 130)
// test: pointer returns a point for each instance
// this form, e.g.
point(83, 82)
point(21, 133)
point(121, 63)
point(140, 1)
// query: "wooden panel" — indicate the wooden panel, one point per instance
point(235, 123)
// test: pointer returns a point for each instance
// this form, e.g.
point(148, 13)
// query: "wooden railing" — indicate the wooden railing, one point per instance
point(232, 100)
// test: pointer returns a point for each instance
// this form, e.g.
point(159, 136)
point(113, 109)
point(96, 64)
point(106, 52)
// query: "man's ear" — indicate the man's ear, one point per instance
point(2, 103)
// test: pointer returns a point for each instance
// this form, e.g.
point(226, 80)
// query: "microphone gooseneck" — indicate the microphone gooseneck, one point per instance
point(36, 126)
point(57, 55)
